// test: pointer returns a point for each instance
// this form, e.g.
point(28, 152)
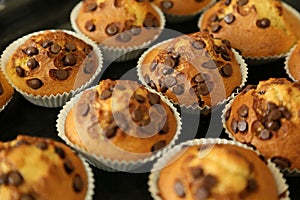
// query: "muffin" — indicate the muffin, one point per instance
point(52, 64)
point(259, 29)
point(131, 27)
point(292, 61)
point(47, 170)
point(179, 11)
point(194, 70)
point(214, 169)
point(119, 121)
point(6, 91)
point(266, 117)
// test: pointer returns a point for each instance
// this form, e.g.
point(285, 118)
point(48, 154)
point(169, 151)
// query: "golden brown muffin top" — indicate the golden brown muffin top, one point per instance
point(192, 70)
point(258, 28)
point(118, 23)
point(219, 171)
point(121, 120)
point(293, 61)
point(267, 117)
point(51, 62)
point(38, 168)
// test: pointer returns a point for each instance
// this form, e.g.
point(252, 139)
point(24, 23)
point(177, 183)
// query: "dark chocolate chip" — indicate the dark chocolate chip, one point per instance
point(202, 89)
point(165, 128)
point(243, 111)
point(34, 83)
point(256, 126)
point(234, 126)
point(69, 60)
point(198, 78)
point(87, 50)
point(120, 87)
point(3, 179)
point(110, 131)
point(55, 48)
point(169, 61)
point(251, 185)
point(263, 23)
point(139, 98)
point(70, 47)
point(179, 188)
point(226, 43)
point(226, 70)
point(150, 21)
point(135, 30)
point(166, 5)
point(153, 66)
point(30, 51)
point(227, 2)
point(199, 44)
point(42, 145)
point(210, 181)
point(215, 27)
point(83, 109)
point(27, 197)
point(118, 3)
point(159, 145)
point(90, 26)
point(112, 29)
point(91, 7)
point(265, 134)
point(167, 70)
point(227, 114)
point(121, 121)
point(137, 115)
point(20, 71)
point(229, 18)
point(77, 183)
point(242, 125)
point(271, 106)
point(60, 152)
point(209, 64)
point(178, 89)
point(89, 68)
point(275, 115)
point(201, 193)
point(285, 112)
point(46, 43)
point(153, 98)
point(124, 37)
point(272, 125)
point(242, 2)
point(14, 178)
point(282, 163)
point(170, 81)
point(32, 63)
point(197, 172)
point(68, 166)
point(62, 74)
point(1, 89)
point(21, 142)
point(213, 18)
point(105, 94)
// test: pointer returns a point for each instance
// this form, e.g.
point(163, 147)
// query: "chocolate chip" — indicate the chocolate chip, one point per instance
point(30, 51)
point(60, 152)
point(135, 30)
point(234, 126)
point(209, 64)
point(226, 70)
point(118, 3)
point(139, 98)
point(167, 70)
point(272, 125)
point(89, 68)
point(153, 98)
point(46, 43)
point(256, 126)
point(27, 197)
point(20, 71)
point(227, 2)
point(210, 181)
point(70, 47)
point(265, 134)
point(112, 29)
point(150, 21)
point(139, 1)
point(199, 44)
point(105, 94)
point(243, 111)
point(201, 193)
point(158, 145)
point(164, 129)
point(3, 179)
point(77, 183)
point(137, 115)
point(215, 27)
point(34, 83)
point(179, 188)
point(87, 50)
point(282, 163)
point(69, 60)
point(170, 81)
point(271, 106)
point(275, 115)
point(42, 145)
point(83, 109)
point(62, 74)
point(153, 66)
point(32, 63)
point(169, 61)
point(226, 43)
point(285, 112)
point(251, 185)
point(197, 172)
point(227, 114)
point(68, 166)
point(121, 121)
point(55, 48)
point(202, 89)
point(263, 23)
point(90, 26)
point(229, 18)
point(242, 126)
point(213, 18)
point(178, 89)
point(198, 78)
point(14, 178)
point(1, 89)
point(124, 37)
point(242, 2)
point(166, 5)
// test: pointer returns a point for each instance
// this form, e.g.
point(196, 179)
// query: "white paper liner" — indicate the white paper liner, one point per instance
point(162, 161)
point(255, 61)
point(295, 172)
point(90, 179)
point(173, 18)
point(189, 108)
point(106, 163)
point(286, 63)
point(58, 99)
point(116, 54)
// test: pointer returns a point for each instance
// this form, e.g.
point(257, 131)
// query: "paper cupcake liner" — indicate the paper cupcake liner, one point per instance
point(52, 100)
point(286, 171)
point(6, 103)
point(173, 18)
point(108, 164)
point(190, 108)
point(255, 61)
point(162, 161)
point(121, 54)
point(90, 179)
point(286, 63)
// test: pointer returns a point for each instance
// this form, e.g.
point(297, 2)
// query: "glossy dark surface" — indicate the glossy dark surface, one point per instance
point(21, 17)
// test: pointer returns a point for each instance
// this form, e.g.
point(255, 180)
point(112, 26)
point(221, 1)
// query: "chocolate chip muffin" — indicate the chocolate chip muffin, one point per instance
point(38, 168)
point(51, 63)
point(266, 117)
point(258, 28)
point(6, 91)
point(178, 10)
point(292, 61)
point(213, 171)
point(193, 70)
point(121, 121)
